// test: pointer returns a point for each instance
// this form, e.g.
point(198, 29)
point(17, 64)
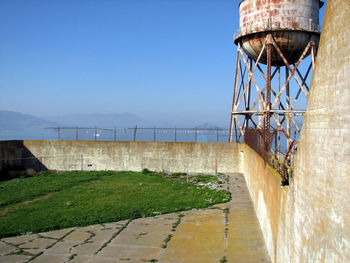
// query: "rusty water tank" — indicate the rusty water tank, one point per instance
point(292, 23)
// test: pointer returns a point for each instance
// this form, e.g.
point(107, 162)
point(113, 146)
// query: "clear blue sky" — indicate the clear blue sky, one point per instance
point(165, 60)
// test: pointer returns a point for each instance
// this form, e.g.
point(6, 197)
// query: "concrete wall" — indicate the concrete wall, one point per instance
point(264, 185)
point(322, 175)
point(309, 221)
point(15, 156)
point(134, 156)
point(274, 206)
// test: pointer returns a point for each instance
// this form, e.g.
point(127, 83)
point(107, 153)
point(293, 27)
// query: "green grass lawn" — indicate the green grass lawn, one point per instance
point(83, 198)
point(22, 189)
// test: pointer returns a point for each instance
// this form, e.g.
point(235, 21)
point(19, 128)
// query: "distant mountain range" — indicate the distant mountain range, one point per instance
point(207, 126)
point(10, 120)
point(120, 120)
point(14, 125)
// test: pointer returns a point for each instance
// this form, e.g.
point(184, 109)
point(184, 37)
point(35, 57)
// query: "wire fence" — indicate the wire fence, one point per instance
point(279, 157)
point(142, 134)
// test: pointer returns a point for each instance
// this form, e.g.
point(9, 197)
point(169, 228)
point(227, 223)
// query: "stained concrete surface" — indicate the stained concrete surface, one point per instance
point(224, 233)
point(170, 157)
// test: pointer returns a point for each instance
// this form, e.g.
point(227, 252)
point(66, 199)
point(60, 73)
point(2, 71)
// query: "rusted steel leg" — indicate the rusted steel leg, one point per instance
point(235, 94)
point(268, 95)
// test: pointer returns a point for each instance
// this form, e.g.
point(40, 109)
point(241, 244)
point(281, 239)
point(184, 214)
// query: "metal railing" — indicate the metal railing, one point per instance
point(282, 159)
point(142, 134)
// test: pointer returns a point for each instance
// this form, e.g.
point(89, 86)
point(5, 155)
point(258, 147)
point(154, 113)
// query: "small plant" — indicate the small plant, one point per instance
point(141, 234)
point(146, 171)
point(223, 260)
point(71, 257)
point(178, 174)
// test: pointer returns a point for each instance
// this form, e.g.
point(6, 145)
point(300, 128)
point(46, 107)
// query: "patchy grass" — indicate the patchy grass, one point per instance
point(197, 178)
point(84, 198)
point(24, 189)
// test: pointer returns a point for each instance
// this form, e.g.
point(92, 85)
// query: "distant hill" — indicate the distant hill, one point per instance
point(207, 126)
point(18, 126)
point(119, 120)
point(14, 121)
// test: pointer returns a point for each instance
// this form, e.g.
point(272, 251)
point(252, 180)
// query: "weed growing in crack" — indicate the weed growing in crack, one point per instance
point(141, 234)
point(58, 240)
point(72, 256)
point(37, 255)
point(166, 241)
point(223, 260)
point(226, 211)
point(89, 238)
point(114, 235)
point(173, 229)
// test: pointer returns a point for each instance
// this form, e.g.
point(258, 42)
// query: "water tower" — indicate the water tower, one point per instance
point(273, 72)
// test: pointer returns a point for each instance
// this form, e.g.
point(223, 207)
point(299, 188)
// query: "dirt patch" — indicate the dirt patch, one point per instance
point(16, 206)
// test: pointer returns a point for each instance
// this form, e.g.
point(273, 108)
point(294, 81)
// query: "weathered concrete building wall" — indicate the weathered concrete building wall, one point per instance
point(322, 175)
point(14, 156)
point(264, 185)
point(134, 156)
point(309, 221)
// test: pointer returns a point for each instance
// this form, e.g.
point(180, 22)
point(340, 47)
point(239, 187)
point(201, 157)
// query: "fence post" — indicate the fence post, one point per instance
point(195, 135)
point(115, 134)
point(135, 133)
point(175, 133)
point(275, 144)
point(76, 133)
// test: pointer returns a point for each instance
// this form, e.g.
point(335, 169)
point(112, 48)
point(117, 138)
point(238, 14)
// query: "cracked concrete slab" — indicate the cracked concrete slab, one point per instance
point(6, 249)
point(77, 236)
point(19, 239)
point(61, 248)
point(226, 231)
point(49, 258)
point(57, 234)
point(102, 236)
point(38, 243)
point(119, 252)
point(86, 249)
point(14, 259)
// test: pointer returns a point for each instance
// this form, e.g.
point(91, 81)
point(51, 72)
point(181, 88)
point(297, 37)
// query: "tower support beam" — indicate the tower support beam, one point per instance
point(272, 110)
